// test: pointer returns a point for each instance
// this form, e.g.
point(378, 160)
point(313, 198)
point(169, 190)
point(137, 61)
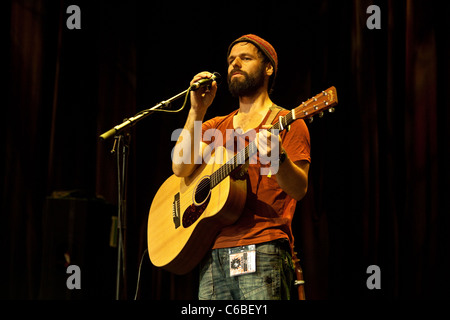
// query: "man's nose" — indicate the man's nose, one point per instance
point(236, 63)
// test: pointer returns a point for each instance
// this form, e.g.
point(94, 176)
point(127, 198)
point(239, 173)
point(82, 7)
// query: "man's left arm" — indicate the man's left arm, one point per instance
point(293, 177)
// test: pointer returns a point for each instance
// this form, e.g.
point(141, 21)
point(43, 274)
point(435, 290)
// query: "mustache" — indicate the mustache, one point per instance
point(237, 71)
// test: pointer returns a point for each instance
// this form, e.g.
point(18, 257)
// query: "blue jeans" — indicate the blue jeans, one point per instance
point(272, 280)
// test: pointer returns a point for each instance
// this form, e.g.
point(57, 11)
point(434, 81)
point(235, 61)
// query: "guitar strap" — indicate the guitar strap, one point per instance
point(274, 111)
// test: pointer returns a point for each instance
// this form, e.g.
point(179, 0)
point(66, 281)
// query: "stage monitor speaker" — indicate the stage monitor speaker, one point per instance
point(76, 231)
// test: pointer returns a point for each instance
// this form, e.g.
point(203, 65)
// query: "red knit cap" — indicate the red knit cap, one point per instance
point(263, 45)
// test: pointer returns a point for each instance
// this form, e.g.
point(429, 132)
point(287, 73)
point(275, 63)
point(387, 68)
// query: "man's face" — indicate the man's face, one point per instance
point(246, 70)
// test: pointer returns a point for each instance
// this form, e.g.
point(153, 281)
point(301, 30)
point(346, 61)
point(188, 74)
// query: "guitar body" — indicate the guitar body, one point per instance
point(185, 218)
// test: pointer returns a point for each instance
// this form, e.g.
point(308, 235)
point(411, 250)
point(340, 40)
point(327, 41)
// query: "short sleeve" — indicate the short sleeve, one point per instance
point(296, 141)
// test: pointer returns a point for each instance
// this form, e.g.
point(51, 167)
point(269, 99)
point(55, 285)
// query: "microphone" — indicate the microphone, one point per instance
point(206, 82)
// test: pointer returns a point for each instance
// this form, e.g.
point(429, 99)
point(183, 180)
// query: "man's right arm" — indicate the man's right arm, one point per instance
point(201, 99)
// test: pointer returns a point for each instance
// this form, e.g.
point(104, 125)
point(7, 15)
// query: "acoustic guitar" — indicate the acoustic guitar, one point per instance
point(187, 213)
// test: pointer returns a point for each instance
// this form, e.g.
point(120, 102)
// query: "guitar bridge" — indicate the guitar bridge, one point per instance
point(176, 210)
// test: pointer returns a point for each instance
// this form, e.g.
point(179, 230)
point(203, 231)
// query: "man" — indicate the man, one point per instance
point(262, 235)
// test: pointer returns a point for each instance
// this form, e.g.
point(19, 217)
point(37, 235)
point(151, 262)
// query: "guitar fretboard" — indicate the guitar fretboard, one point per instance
point(245, 154)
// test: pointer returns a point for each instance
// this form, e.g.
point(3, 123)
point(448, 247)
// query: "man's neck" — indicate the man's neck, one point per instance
point(257, 102)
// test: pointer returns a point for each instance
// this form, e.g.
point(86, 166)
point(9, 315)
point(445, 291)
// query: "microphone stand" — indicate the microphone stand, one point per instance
point(121, 147)
point(140, 116)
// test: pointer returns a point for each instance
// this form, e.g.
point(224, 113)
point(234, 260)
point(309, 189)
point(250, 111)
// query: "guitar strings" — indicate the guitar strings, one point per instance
point(220, 174)
point(223, 171)
point(187, 199)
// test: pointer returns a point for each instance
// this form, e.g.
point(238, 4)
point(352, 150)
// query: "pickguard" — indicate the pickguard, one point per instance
point(193, 212)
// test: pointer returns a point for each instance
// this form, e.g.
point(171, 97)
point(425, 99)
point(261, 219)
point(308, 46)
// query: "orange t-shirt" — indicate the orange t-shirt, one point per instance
point(268, 211)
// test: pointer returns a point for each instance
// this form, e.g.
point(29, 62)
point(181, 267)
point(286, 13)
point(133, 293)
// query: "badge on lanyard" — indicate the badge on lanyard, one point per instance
point(242, 260)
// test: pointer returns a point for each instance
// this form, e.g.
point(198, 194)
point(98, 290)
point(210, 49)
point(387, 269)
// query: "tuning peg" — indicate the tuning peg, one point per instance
point(310, 119)
point(331, 110)
point(320, 114)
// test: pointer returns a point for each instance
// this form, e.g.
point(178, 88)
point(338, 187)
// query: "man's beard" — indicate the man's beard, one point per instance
point(246, 86)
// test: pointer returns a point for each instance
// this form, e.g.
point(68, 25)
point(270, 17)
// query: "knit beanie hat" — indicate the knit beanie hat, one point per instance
point(263, 45)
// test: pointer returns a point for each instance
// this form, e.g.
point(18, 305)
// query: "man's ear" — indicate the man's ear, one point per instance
point(269, 69)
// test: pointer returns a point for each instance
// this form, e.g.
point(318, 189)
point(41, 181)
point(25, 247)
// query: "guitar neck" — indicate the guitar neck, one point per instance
point(316, 105)
point(240, 158)
point(245, 154)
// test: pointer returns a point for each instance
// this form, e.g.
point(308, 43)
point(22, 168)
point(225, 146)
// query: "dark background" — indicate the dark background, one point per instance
point(379, 178)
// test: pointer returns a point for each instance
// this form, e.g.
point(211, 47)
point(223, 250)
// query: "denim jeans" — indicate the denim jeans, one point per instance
point(272, 280)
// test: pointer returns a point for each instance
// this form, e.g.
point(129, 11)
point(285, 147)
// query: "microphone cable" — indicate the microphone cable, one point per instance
point(139, 274)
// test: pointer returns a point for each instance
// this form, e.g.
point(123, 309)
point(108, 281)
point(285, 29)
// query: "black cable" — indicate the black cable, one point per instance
point(139, 274)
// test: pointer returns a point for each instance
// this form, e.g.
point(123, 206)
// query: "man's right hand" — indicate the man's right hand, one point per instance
point(202, 98)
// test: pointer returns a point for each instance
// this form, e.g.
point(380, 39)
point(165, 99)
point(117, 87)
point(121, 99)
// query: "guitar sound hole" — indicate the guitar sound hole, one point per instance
point(202, 191)
point(201, 200)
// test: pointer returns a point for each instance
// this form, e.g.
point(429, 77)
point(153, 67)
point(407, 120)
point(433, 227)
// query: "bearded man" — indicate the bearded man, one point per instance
point(251, 259)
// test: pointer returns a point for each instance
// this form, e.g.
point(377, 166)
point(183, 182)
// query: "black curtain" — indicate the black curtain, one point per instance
point(379, 174)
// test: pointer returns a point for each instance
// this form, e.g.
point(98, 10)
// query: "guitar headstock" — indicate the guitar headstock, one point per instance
point(326, 100)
